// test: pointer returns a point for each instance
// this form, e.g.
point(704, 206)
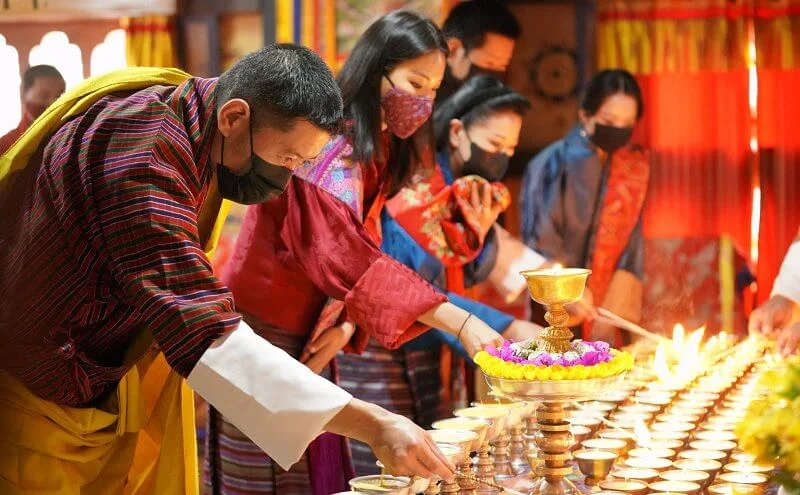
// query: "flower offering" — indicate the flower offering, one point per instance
point(527, 361)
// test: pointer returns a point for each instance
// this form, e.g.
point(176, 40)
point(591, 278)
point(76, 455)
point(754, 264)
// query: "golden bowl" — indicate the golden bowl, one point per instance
point(595, 464)
point(468, 441)
point(381, 484)
point(517, 409)
point(687, 487)
point(496, 416)
point(556, 286)
point(553, 390)
point(479, 426)
point(728, 488)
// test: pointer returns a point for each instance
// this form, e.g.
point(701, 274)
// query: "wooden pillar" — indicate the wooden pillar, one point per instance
point(199, 42)
point(270, 20)
point(585, 34)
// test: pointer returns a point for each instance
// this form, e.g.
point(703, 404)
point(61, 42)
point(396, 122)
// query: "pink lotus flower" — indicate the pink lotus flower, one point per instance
point(590, 358)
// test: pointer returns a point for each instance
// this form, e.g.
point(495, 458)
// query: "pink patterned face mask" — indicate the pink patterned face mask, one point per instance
point(404, 112)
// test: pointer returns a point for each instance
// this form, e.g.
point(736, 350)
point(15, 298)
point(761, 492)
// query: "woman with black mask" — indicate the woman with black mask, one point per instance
point(582, 198)
point(442, 226)
point(307, 272)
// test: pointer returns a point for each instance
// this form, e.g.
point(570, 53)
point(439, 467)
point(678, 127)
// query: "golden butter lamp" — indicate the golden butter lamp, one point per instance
point(478, 426)
point(497, 417)
point(554, 288)
point(595, 464)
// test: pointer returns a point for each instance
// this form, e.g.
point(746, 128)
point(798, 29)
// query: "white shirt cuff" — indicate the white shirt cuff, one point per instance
point(787, 284)
point(272, 398)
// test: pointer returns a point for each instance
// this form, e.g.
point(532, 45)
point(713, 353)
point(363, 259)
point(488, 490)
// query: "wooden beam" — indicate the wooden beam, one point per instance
point(215, 7)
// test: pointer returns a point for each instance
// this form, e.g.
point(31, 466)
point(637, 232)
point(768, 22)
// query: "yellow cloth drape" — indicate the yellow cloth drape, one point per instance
point(143, 440)
point(149, 41)
point(777, 26)
point(76, 101)
point(647, 37)
point(669, 36)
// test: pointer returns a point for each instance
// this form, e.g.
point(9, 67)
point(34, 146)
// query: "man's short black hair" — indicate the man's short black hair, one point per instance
point(469, 21)
point(284, 83)
point(37, 71)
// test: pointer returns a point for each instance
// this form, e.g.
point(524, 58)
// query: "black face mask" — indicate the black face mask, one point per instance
point(490, 166)
point(609, 138)
point(263, 182)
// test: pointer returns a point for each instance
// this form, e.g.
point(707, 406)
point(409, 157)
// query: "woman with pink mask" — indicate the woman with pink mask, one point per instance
point(307, 271)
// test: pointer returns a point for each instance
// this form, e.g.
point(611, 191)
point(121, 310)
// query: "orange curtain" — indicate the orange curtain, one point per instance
point(777, 24)
point(690, 59)
point(150, 41)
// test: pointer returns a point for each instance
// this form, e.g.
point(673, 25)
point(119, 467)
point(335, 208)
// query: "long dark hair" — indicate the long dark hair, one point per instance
point(610, 82)
point(392, 39)
point(475, 100)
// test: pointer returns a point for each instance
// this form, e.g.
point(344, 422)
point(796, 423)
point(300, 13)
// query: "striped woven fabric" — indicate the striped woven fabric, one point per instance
point(99, 241)
point(235, 465)
point(404, 382)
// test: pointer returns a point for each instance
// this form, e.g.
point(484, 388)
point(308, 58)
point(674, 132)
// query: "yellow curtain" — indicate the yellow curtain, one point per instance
point(311, 23)
point(150, 41)
point(777, 40)
point(671, 36)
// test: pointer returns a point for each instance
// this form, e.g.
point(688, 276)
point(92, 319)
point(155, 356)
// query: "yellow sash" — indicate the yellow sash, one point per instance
point(143, 441)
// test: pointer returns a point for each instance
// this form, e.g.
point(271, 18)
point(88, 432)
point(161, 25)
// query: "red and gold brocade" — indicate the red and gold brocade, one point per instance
point(309, 245)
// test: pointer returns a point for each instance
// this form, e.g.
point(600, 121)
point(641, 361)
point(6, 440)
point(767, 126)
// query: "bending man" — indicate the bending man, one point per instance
point(111, 201)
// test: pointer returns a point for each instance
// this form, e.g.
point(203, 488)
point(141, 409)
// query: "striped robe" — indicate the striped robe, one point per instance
point(100, 243)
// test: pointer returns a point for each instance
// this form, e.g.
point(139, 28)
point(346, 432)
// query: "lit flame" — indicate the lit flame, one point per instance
point(678, 334)
point(643, 437)
point(683, 349)
point(557, 266)
point(693, 342)
point(661, 364)
point(691, 358)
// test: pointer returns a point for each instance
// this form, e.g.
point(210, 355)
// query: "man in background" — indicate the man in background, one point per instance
point(41, 86)
point(112, 202)
point(480, 35)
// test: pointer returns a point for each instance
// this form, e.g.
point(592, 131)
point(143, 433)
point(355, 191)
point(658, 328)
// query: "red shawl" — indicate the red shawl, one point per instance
point(441, 219)
point(623, 201)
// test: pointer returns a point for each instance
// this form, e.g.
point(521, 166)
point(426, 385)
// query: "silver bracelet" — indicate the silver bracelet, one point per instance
point(463, 325)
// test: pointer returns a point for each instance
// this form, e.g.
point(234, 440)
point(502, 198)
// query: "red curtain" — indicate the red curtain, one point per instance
point(690, 57)
point(696, 126)
point(777, 24)
point(779, 136)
